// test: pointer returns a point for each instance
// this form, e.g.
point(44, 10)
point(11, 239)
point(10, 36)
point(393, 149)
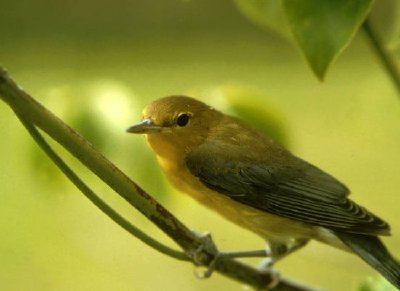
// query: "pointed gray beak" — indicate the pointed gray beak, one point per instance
point(145, 126)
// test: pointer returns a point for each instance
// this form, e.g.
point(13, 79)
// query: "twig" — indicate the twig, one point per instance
point(95, 199)
point(33, 113)
point(384, 56)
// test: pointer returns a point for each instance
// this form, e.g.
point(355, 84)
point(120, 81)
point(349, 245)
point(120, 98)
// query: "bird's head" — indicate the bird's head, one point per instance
point(174, 125)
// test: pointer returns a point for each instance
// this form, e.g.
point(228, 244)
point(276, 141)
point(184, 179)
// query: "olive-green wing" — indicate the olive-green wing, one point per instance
point(295, 190)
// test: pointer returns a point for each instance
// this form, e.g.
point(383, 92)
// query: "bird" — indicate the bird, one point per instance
point(253, 181)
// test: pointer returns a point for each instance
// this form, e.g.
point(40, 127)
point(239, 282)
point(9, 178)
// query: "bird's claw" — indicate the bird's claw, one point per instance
point(275, 279)
point(208, 271)
point(197, 255)
point(207, 245)
point(266, 264)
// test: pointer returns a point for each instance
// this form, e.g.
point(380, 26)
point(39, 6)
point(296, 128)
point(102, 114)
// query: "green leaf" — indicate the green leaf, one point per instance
point(323, 28)
point(267, 14)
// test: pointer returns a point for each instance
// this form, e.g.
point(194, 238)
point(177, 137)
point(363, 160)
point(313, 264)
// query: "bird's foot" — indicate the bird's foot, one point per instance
point(275, 279)
point(232, 255)
point(205, 274)
point(266, 264)
point(198, 257)
point(207, 245)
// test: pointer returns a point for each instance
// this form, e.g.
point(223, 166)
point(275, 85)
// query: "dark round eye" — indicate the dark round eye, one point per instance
point(183, 119)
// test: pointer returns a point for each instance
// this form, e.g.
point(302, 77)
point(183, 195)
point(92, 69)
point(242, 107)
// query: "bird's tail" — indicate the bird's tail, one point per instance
point(373, 251)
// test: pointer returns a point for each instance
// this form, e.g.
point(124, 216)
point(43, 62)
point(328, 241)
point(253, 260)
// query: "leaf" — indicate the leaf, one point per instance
point(267, 14)
point(323, 28)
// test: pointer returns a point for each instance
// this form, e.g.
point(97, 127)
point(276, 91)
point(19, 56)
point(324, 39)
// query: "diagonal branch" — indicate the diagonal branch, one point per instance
point(95, 199)
point(33, 113)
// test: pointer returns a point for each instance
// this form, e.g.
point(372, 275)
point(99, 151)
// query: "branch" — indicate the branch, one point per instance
point(384, 56)
point(33, 113)
point(95, 199)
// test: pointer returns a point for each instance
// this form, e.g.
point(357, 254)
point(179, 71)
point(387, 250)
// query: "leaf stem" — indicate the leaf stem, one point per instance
point(384, 56)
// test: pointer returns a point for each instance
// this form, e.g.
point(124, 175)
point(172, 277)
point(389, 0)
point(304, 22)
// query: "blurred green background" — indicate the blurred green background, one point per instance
point(96, 64)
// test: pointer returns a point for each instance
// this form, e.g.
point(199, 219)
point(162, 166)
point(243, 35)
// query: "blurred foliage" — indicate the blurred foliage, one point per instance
point(323, 29)
point(251, 106)
point(268, 14)
point(97, 64)
point(376, 284)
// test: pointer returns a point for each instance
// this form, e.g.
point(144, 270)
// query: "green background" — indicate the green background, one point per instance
point(96, 64)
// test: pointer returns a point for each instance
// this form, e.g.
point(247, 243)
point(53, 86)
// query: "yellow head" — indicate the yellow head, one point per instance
point(175, 124)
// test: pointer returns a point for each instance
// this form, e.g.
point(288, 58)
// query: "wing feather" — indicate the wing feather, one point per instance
point(295, 189)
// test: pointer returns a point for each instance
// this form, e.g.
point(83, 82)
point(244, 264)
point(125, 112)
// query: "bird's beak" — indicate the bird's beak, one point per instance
point(145, 126)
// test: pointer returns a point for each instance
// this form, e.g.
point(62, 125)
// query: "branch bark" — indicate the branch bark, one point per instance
point(33, 114)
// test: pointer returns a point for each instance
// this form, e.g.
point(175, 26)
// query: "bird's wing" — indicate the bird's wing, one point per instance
point(295, 190)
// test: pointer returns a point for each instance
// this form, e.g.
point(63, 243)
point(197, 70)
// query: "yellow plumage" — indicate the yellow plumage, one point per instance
point(254, 182)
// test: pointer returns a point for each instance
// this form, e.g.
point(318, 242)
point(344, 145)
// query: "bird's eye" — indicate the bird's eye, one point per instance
point(183, 119)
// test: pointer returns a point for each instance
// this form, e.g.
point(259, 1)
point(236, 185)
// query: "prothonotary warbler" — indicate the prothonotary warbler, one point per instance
point(254, 182)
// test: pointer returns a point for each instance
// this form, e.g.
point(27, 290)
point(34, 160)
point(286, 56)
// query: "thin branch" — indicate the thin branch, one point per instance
point(33, 112)
point(95, 199)
point(384, 56)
